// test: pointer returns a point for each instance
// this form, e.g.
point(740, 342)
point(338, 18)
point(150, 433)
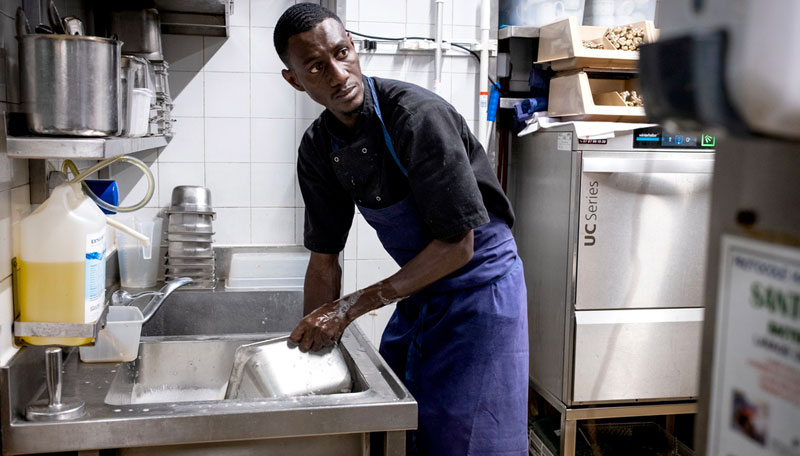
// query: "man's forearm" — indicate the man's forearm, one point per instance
point(437, 260)
point(327, 317)
point(323, 281)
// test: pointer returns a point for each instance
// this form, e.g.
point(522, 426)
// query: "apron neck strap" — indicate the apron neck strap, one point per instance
point(386, 138)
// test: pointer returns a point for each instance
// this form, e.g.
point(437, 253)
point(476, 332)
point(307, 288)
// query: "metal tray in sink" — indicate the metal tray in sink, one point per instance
point(277, 368)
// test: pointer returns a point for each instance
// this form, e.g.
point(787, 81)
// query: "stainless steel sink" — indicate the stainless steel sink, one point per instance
point(174, 371)
point(167, 401)
point(170, 370)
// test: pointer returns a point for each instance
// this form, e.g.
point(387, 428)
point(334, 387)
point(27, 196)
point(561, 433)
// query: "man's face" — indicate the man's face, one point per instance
point(324, 63)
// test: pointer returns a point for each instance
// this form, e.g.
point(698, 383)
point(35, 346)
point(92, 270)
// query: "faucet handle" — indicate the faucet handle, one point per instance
point(151, 307)
point(120, 298)
point(123, 298)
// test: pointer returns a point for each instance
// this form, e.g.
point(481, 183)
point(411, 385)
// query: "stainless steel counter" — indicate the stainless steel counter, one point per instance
point(374, 418)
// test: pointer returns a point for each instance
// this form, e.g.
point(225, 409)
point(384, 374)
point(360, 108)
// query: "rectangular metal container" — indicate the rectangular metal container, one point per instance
point(277, 368)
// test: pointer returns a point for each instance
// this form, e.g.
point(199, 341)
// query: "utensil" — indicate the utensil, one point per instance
point(161, 70)
point(178, 267)
point(23, 27)
point(55, 19)
point(136, 96)
point(190, 223)
point(138, 261)
point(140, 30)
point(190, 236)
point(277, 368)
point(127, 230)
point(191, 198)
point(190, 249)
point(70, 84)
point(73, 25)
point(196, 275)
point(172, 261)
point(42, 28)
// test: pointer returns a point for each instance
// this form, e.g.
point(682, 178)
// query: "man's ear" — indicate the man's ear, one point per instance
point(292, 80)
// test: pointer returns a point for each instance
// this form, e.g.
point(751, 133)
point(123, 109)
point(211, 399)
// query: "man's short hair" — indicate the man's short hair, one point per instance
point(298, 19)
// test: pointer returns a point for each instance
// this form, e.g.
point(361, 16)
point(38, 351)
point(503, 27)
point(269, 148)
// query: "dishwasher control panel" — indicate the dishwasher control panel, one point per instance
point(658, 138)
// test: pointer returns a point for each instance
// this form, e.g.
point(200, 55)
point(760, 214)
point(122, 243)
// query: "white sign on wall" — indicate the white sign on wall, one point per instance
point(755, 403)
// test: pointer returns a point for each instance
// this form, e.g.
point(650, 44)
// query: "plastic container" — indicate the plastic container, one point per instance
point(267, 271)
point(119, 340)
point(138, 263)
point(106, 190)
point(611, 13)
point(61, 271)
point(138, 116)
point(536, 13)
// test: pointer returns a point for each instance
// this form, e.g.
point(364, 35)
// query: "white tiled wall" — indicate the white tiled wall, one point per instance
point(14, 189)
point(239, 123)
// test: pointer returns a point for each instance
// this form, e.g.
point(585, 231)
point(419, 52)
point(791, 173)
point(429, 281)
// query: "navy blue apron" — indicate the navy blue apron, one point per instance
point(461, 344)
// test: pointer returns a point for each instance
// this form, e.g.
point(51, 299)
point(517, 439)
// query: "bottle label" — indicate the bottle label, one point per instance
point(95, 275)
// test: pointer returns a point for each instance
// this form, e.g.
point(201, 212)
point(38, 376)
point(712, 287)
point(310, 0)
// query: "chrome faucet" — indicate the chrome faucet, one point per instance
point(123, 298)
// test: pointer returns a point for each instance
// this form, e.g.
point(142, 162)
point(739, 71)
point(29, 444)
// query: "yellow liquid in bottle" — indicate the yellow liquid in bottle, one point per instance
point(52, 293)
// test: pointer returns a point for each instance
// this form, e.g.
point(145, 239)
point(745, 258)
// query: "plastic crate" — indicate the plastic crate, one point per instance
point(640, 439)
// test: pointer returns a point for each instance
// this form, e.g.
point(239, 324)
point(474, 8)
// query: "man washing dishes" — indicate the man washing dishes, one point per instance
point(458, 338)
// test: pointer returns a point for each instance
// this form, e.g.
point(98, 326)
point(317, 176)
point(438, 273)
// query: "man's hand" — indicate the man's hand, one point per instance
point(322, 327)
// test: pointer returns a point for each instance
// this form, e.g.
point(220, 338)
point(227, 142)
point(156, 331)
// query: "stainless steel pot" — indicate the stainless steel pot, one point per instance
point(141, 32)
point(70, 84)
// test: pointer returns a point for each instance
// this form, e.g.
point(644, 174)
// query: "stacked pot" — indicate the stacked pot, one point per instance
point(161, 123)
point(190, 252)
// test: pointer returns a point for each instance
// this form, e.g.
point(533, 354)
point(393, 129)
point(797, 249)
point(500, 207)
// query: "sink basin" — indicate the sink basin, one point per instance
point(176, 370)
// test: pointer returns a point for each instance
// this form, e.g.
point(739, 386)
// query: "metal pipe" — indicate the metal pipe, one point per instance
point(52, 364)
point(437, 77)
point(484, 74)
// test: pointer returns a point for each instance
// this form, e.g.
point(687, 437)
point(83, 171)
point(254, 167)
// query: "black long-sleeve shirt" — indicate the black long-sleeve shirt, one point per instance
point(449, 176)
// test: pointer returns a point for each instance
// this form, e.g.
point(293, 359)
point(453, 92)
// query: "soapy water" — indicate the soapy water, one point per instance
point(169, 393)
point(346, 303)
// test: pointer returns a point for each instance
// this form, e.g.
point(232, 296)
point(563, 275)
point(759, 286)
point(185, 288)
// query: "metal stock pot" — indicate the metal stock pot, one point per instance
point(70, 84)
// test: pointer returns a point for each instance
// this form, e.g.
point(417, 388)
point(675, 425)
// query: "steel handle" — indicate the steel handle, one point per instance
point(52, 365)
point(23, 27)
point(703, 164)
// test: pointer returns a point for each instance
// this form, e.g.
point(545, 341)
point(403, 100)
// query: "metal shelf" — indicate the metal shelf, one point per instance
point(80, 148)
point(195, 17)
point(517, 31)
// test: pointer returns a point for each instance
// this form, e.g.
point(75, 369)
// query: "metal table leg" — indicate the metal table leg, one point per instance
point(395, 444)
point(569, 430)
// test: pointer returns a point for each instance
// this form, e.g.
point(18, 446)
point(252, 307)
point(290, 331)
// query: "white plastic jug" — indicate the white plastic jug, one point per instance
point(61, 268)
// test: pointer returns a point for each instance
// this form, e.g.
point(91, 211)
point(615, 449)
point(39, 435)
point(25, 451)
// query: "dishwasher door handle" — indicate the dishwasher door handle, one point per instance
point(648, 163)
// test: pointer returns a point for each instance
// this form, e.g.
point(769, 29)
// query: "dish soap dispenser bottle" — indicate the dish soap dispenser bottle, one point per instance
point(62, 263)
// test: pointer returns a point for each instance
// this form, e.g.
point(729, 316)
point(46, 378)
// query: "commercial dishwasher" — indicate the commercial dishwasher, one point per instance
point(613, 236)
